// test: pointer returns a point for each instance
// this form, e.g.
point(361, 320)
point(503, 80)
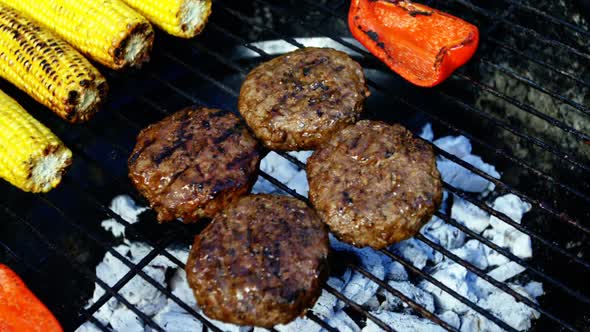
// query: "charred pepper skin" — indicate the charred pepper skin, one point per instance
point(423, 45)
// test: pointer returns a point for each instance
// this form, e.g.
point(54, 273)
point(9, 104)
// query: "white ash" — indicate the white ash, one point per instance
point(378, 301)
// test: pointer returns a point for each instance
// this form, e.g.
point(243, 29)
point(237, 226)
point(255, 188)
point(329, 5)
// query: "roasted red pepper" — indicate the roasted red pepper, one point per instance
point(421, 44)
point(20, 310)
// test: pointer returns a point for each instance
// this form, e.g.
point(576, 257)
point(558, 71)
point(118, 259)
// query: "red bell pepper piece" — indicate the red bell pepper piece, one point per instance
point(20, 310)
point(421, 44)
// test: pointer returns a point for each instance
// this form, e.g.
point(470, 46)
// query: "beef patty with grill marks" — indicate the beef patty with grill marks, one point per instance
point(297, 100)
point(261, 262)
point(193, 163)
point(374, 184)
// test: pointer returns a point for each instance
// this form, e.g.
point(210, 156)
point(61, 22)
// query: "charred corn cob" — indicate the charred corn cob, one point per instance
point(48, 69)
point(181, 18)
point(107, 31)
point(32, 158)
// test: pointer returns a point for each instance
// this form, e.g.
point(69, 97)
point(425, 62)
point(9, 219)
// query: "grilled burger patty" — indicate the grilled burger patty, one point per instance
point(374, 184)
point(296, 101)
point(194, 163)
point(261, 262)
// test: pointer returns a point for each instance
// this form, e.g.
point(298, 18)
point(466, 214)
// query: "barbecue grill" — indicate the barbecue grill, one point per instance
point(522, 101)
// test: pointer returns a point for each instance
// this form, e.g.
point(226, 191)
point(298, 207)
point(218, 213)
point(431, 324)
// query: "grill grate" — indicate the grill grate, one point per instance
point(170, 82)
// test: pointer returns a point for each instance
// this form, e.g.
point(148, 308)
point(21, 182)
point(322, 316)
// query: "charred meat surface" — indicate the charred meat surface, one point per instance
point(194, 163)
point(261, 262)
point(297, 100)
point(374, 184)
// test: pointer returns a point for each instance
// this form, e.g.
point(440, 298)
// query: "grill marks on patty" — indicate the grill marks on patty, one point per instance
point(297, 100)
point(374, 184)
point(262, 261)
point(193, 163)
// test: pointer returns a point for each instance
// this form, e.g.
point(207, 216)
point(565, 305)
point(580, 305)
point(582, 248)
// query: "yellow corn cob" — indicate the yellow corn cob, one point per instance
point(181, 18)
point(108, 31)
point(31, 157)
point(48, 69)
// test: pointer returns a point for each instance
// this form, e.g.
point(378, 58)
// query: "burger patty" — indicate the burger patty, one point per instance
point(374, 184)
point(194, 163)
point(296, 101)
point(261, 262)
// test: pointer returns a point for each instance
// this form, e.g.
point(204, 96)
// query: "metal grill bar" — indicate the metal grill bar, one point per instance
point(553, 19)
point(583, 109)
point(527, 108)
point(525, 30)
point(545, 206)
point(539, 62)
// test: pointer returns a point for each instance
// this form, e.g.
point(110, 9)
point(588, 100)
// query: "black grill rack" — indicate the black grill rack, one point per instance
point(55, 239)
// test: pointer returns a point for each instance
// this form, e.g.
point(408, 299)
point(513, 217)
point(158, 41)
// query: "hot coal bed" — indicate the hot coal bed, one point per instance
point(521, 105)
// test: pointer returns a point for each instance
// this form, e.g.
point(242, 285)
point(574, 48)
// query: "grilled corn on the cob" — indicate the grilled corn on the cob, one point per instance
point(108, 31)
point(181, 18)
point(48, 69)
point(31, 157)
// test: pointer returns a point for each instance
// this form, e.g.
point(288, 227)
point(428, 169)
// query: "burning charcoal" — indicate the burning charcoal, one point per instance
point(394, 270)
point(534, 289)
point(458, 176)
point(324, 307)
point(444, 234)
point(283, 170)
point(473, 321)
point(506, 271)
point(359, 288)
point(298, 325)
point(459, 146)
point(473, 252)
point(343, 322)
point(415, 251)
point(302, 156)
point(516, 314)
point(463, 178)
point(469, 215)
point(416, 294)
point(125, 207)
point(455, 277)
point(373, 303)
point(451, 318)
point(174, 321)
point(506, 235)
point(427, 132)
point(402, 322)
point(126, 320)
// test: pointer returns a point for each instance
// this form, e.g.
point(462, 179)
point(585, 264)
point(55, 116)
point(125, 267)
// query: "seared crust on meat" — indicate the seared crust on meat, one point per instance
point(261, 262)
point(374, 184)
point(194, 163)
point(297, 100)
